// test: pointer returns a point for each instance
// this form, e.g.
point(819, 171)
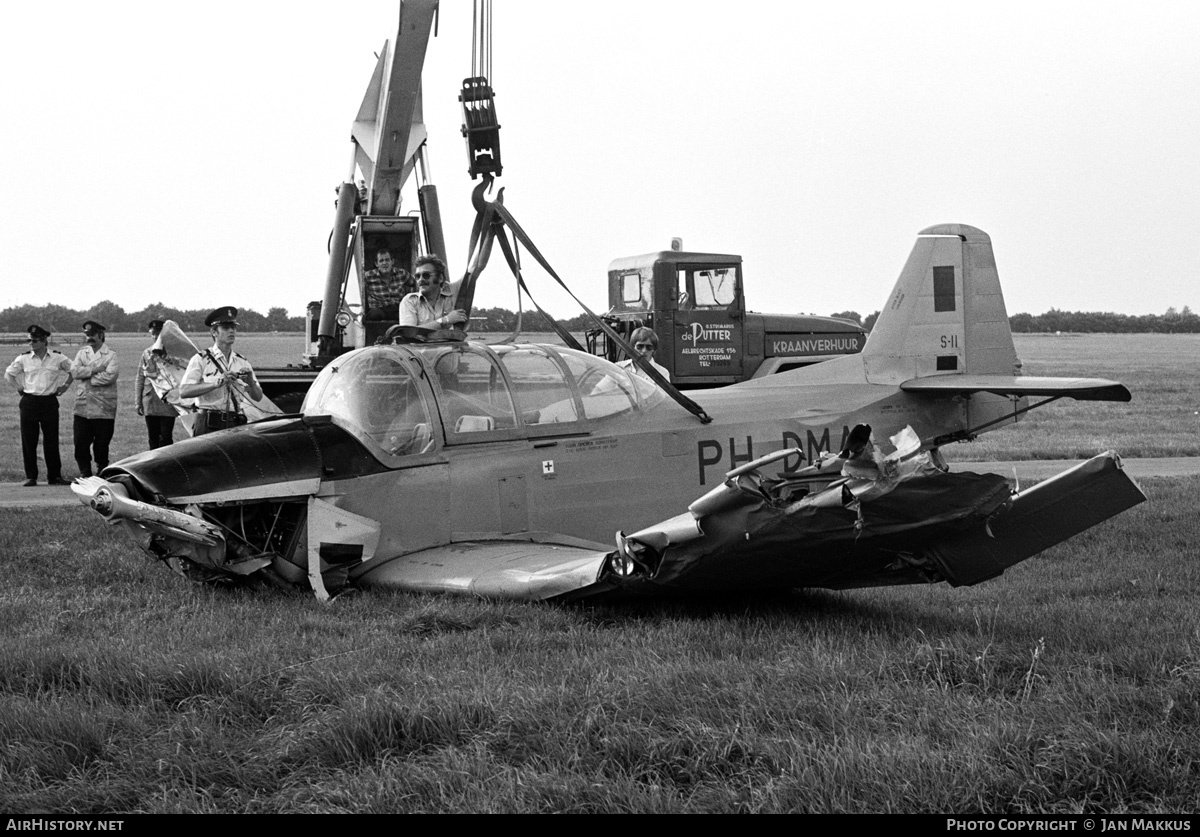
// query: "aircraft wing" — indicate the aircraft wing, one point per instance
point(1081, 389)
point(913, 524)
point(530, 569)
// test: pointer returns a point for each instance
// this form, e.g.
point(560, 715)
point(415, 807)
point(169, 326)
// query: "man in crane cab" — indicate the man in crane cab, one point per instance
point(432, 306)
point(386, 285)
point(645, 343)
point(219, 378)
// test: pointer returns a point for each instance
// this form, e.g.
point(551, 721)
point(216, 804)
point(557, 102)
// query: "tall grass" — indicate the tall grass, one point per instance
point(1070, 684)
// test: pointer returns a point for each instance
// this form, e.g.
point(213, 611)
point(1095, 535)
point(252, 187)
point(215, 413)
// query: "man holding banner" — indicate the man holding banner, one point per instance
point(219, 378)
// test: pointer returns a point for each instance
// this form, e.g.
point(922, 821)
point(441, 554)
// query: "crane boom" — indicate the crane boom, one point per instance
point(389, 136)
point(389, 130)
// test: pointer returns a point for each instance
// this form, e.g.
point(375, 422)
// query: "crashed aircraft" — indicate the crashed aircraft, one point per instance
point(538, 472)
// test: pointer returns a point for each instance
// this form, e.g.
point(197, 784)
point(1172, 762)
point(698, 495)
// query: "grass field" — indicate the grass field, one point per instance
point(1071, 684)
point(1161, 370)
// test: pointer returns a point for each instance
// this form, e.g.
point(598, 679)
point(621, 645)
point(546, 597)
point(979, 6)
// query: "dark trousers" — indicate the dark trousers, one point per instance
point(161, 430)
point(91, 442)
point(39, 414)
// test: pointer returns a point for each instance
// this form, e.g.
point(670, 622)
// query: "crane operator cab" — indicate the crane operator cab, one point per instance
point(376, 277)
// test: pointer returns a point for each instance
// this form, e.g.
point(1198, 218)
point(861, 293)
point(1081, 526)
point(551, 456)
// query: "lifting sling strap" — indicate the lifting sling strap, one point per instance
point(491, 219)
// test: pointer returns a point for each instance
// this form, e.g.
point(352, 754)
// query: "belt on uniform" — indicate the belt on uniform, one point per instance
point(218, 419)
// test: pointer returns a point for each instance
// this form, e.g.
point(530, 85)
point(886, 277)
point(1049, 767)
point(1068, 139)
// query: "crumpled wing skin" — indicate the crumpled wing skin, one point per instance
point(762, 547)
point(1040, 517)
point(958, 527)
point(518, 570)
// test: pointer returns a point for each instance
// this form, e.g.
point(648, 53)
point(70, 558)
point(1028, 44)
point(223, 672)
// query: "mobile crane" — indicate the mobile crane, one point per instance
point(694, 301)
point(388, 137)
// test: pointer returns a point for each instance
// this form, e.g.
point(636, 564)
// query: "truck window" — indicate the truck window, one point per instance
point(715, 287)
point(682, 298)
point(631, 288)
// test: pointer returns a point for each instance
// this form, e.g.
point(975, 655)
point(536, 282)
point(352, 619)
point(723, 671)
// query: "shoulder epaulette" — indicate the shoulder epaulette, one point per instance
point(28, 352)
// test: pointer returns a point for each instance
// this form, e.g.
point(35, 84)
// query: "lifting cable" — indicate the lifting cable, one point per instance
point(480, 125)
point(490, 221)
point(481, 39)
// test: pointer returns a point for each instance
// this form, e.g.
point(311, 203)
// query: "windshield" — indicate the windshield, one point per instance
point(375, 394)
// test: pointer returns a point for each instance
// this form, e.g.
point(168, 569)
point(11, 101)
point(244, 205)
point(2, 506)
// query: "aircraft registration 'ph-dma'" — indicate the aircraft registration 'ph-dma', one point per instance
point(505, 470)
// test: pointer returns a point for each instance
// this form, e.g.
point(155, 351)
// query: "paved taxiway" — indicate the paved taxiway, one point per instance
point(16, 496)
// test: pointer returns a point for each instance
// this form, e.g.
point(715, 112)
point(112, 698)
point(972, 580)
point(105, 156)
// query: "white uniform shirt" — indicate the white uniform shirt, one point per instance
point(39, 375)
point(210, 366)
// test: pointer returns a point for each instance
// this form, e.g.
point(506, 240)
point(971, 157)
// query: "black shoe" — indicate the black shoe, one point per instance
point(57, 481)
point(30, 482)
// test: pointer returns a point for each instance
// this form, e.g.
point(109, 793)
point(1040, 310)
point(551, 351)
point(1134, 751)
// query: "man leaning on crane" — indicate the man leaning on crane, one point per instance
point(432, 306)
point(219, 378)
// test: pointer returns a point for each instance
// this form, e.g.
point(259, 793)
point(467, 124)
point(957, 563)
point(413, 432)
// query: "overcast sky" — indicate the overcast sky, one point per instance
point(188, 153)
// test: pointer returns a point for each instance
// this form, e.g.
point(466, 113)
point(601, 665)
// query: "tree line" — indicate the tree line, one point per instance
point(1080, 322)
point(1172, 322)
point(62, 320)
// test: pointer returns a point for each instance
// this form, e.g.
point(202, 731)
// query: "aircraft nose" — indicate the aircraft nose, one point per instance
point(284, 457)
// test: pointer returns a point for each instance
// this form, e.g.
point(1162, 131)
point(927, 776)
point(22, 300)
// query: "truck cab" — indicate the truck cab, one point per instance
point(696, 305)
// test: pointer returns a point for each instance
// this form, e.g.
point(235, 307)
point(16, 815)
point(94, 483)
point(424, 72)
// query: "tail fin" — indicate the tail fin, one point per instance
point(946, 314)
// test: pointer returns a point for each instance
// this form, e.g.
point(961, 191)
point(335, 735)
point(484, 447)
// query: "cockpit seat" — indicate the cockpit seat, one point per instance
point(474, 424)
point(403, 439)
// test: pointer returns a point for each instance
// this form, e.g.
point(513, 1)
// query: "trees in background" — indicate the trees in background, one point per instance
point(1172, 322)
point(62, 320)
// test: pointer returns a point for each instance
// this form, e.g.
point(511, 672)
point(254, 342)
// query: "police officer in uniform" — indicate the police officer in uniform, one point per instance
point(219, 378)
point(95, 368)
point(40, 376)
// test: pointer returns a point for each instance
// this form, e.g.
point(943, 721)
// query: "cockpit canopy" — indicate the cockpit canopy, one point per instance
point(403, 400)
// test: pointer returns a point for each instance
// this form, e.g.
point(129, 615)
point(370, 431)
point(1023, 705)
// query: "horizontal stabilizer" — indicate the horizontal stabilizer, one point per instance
point(1040, 517)
point(1081, 389)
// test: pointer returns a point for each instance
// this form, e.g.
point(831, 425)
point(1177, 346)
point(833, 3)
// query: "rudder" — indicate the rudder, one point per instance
point(946, 313)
